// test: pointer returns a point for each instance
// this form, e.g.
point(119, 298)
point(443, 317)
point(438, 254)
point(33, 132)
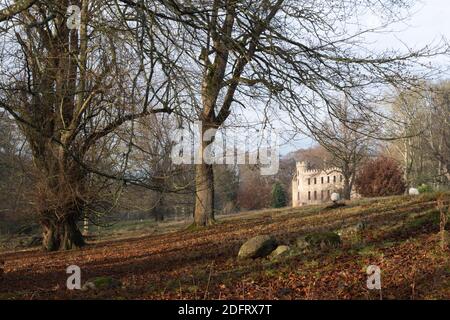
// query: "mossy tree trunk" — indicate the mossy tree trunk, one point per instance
point(61, 235)
point(60, 197)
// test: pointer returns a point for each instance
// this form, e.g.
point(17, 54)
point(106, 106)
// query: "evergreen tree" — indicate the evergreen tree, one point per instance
point(279, 198)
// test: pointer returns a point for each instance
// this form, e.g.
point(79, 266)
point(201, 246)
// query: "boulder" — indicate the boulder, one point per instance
point(102, 283)
point(257, 247)
point(280, 251)
point(323, 240)
point(354, 229)
point(302, 244)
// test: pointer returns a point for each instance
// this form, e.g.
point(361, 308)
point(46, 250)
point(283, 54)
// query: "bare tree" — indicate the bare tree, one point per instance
point(76, 91)
point(294, 55)
point(346, 137)
point(11, 10)
point(254, 190)
point(438, 128)
point(151, 160)
point(14, 177)
point(423, 133)
point(409, 131)
point(70, 85)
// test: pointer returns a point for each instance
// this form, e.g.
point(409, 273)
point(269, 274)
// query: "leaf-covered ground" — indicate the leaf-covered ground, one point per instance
point(401, 238)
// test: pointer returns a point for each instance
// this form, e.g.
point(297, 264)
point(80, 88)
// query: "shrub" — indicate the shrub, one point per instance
point(380, 177)
point(424, 188)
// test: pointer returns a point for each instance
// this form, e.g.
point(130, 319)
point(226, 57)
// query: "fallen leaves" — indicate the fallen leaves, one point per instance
point(2, 266)
point(202, 264)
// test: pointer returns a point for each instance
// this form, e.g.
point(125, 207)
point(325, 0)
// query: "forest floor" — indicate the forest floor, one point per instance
point(401, 238)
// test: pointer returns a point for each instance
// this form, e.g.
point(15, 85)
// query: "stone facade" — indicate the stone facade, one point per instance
point(315, 186)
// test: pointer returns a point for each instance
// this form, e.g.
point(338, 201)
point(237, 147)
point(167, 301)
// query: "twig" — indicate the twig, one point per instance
point(209, 281)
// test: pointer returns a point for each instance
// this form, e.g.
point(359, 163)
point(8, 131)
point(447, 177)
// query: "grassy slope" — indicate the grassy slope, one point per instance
point(401, 239)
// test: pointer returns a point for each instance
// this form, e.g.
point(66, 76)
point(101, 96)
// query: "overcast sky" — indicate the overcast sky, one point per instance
point(430, 21)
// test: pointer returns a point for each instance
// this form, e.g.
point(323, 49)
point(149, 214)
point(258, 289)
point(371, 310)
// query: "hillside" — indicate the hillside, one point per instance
point(400, 237)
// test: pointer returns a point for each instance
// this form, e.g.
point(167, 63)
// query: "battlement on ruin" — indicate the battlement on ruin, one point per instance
point(302, 169)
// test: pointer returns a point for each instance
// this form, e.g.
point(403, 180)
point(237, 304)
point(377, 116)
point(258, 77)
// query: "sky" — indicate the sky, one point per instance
point(428, 23)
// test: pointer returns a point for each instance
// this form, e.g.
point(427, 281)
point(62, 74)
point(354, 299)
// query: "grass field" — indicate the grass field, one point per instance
point(173, 261)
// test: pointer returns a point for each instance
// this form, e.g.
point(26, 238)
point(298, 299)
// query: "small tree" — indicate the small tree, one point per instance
point(279, 198)
point(251, 183)
point(380, 177)
point(345, 137)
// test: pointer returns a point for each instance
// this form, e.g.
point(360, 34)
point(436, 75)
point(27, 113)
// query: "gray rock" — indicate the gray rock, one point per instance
point(351, 230)
point(302, 244)
point(88, 286)
point(101, 283)
point(280, 251)
point(257, 247)
point(323, 240)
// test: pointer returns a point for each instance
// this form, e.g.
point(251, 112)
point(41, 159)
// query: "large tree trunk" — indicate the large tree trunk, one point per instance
point(204, 178)
point(61, 199)
point(159, 209)
point(204, 195)
point(61, 235)
point(347, 190)
point(348, 174)
point(70, 236)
